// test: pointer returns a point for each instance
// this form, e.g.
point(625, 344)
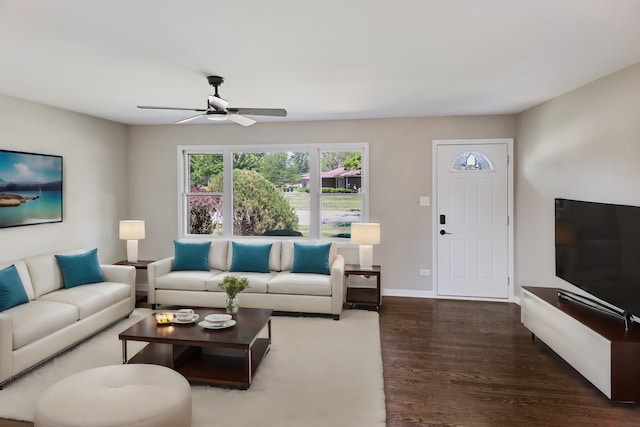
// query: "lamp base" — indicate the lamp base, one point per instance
point(366, 257)
point(132, 251)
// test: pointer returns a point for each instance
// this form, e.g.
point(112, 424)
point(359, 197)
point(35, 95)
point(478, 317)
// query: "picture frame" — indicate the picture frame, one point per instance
point(31, 188)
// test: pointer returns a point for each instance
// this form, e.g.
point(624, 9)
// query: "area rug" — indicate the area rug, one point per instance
point(319, 372)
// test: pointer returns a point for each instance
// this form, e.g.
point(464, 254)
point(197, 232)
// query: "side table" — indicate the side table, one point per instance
point(141, 279)
point(359, 295)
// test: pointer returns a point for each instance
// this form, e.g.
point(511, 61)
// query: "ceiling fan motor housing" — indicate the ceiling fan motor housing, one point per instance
point(215, 81)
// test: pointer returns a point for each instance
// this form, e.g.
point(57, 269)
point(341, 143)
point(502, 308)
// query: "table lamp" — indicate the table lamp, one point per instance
point(132, 231)
point(366, 235)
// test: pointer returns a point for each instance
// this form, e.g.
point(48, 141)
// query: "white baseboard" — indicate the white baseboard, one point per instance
point(411, 293)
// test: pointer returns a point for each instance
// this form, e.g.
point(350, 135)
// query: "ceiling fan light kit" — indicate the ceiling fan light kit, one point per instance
point(218, 108)
point(217, 116)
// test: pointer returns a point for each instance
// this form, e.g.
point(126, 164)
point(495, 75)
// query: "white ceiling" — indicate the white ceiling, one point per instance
point(321, 60)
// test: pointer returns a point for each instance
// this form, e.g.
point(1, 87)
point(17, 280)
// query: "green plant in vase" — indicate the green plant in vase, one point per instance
point(233, 285)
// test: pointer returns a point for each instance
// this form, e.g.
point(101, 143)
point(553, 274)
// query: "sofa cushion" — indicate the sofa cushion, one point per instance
point(218, 254)
point(287, 256)
point(311, 258)
point(23, 272)
point(191, 256)
point(91, 298)
point(257, 281)
point(274, 255)
point(188, 280)
point(250, 257)
point(80, 269)
point(286, 282)
point(12, 290)
point(45, 274)
point(38, 319)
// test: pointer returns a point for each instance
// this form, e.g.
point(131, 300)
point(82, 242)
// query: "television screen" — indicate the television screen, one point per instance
point(598, 250)
point(30, 188)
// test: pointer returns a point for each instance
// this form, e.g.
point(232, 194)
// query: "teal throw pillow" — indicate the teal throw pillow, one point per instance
point(80, 269)
point(191, 256)
point(250, 257)
point(311, 258)
point(12, 291)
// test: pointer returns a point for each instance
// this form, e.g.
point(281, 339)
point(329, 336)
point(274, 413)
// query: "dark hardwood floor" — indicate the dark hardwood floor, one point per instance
point(463, 363)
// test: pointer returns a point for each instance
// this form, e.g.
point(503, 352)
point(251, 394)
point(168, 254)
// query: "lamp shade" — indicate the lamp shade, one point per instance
point(131, 229)
point(365, 233)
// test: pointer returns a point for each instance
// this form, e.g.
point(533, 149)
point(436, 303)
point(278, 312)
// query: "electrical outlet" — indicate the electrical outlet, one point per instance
point(425, 272)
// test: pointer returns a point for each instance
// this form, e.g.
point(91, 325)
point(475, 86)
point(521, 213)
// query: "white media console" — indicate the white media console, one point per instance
point(594, 343)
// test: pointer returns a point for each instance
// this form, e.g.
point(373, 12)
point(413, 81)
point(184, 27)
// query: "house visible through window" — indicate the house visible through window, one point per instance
point(310, 191)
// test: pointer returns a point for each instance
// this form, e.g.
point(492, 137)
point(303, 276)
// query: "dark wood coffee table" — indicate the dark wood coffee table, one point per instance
point(226, 357)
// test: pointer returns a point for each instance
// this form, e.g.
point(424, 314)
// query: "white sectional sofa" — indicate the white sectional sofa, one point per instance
point(280, 286)
point(56, 317)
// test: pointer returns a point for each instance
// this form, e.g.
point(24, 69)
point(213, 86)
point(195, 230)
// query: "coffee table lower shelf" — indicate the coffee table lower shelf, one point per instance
point(216, 366)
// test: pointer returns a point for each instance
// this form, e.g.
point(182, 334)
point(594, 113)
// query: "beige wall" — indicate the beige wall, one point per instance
point(400, 158)
point(94, 155)
point(583, 145)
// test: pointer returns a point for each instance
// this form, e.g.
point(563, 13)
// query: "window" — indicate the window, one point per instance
point(203, 194)
point(266, 200)
point(341, 195)
point(471, 161)
point(311, 191)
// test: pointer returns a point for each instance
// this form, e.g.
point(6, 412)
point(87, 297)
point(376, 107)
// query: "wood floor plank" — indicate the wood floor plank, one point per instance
point(464, 363)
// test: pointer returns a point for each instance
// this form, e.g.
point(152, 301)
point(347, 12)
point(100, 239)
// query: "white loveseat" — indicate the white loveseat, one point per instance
point(279, 289)
point(55, 318)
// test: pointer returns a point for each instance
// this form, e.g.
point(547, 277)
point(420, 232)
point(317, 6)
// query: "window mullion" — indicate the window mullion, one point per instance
point(183, 210)
point(315, 190)
point(364, 189)
point(227, 198)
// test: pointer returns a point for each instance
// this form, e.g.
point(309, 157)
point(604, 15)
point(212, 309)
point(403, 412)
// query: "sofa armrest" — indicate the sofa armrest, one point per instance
point(338, 291)
point(6, 347)
point(121, 274)
point(155, 270)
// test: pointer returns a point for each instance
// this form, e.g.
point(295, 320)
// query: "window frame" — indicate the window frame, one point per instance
point(315, 183)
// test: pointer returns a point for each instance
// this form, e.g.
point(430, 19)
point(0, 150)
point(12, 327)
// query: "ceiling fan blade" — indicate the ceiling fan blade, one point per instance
point(279, 112)
point(241, 120)
point(188, 119)
point(151, 107)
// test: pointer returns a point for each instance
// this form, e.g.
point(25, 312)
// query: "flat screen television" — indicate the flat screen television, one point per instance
point(597, 248)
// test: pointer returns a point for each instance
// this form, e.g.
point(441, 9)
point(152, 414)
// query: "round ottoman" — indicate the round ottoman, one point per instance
point(119, 395)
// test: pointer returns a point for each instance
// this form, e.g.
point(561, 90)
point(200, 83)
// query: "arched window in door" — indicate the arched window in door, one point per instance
point(471, 161)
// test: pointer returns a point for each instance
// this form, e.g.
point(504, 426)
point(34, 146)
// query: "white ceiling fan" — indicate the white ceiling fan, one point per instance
point(218, 108)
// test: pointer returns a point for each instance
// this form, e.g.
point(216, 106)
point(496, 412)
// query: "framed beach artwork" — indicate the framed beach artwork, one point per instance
point(30, 188)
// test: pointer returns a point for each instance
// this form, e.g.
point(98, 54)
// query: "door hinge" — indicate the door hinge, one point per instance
point(508, 159)
point(508, 220)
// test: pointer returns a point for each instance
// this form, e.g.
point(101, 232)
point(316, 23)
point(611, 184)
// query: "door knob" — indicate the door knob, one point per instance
point(442, 232)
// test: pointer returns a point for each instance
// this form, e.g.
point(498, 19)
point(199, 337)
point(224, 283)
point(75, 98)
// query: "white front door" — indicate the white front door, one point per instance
point(472, 243)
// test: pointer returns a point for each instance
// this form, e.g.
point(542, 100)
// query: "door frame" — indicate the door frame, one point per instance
point(510, 218)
